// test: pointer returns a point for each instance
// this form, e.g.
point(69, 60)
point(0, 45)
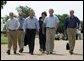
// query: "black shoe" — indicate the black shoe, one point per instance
point(51, 53)
point(8, 52)
point(14, 52)
point(21, 50)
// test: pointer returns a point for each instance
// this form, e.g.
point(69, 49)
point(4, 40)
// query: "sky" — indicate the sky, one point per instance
point(60, 7)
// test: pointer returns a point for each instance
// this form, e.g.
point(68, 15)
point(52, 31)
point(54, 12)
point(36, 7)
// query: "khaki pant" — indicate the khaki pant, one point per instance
point(50, 36)
point(21, 39)
point(12, 40)
point(71, 32)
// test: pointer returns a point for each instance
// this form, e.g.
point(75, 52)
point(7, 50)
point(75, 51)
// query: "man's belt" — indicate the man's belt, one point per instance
point(50, 27)
point(20, 29)
point(11, 30)
point(71, 27)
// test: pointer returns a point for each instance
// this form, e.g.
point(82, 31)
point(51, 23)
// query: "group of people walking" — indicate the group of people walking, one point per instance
point(23, 31)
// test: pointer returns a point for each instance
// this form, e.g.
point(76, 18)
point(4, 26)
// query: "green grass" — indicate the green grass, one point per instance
point(4, 39)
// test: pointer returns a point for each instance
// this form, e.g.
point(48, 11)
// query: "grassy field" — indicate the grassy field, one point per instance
point(4, 39)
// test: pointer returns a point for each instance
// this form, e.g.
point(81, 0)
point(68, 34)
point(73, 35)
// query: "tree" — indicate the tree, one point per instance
point(3, 3)
point(61, 24)
point(62, 18)
point(24, 9)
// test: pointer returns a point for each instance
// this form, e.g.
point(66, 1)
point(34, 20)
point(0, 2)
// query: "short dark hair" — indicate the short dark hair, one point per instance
point(44, 13)
point(72, 11)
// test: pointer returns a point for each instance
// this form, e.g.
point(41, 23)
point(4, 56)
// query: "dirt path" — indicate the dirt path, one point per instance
point(60, 52)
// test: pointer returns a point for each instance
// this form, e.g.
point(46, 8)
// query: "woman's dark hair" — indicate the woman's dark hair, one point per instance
point(40, 18)
point(44, 13)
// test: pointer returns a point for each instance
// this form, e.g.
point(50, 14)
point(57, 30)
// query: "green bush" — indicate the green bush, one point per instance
point(4, 40)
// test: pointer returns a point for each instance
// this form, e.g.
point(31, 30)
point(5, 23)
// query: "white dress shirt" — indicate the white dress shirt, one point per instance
point(51, 22)
point(12, 24)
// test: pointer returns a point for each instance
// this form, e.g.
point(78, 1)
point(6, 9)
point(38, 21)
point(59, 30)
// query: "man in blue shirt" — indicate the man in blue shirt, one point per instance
point(21, 32)
point(31, 25)
point(70, 25)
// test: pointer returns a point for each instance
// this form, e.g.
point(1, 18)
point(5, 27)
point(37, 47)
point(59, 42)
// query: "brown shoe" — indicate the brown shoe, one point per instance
point(21, 50)
point(71, 52)
point(51, 53)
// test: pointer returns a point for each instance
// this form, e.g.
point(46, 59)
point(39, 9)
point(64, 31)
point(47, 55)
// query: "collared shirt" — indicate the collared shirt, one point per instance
point(31, 23)
point(71, 22)
point(21, 21)
point(12, 24)
point(51, 22)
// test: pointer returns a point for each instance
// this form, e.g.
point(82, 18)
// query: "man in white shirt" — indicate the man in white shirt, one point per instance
point(12, 26)
point(51, 24)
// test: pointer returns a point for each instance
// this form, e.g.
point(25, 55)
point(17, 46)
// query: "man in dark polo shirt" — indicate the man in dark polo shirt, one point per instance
point(71, 24)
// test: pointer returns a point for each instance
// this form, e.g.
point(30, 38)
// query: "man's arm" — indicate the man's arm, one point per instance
point(24, 25)
point(65, 24)
point(44, 25)
point(37, 26)
point(18, 24)
point(78, 23)
point(65, 28)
